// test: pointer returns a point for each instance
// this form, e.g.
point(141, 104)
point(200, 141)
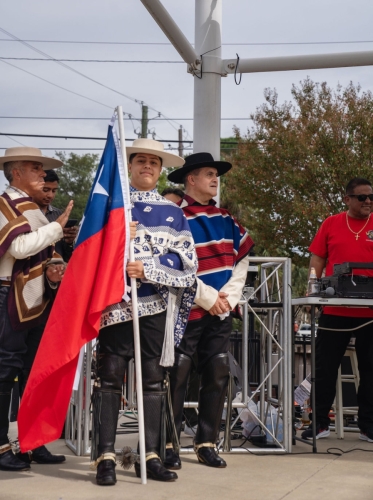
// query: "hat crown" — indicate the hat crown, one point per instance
point(23, 151)
point(148, 144)
point(198, 158)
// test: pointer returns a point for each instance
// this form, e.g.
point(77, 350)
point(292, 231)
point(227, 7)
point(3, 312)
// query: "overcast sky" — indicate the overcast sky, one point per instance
point(167, 88)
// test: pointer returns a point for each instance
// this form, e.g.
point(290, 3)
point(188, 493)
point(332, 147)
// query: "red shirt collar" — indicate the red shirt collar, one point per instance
point(192, 201)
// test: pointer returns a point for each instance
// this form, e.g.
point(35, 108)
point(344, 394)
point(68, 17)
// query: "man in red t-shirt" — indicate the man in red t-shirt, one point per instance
point(345, 237)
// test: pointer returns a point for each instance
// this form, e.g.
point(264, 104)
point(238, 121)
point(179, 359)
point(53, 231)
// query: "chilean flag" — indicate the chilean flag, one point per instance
point(94, 279)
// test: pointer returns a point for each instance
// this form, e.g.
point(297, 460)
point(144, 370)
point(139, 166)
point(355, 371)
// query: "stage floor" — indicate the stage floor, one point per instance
point(297, 476)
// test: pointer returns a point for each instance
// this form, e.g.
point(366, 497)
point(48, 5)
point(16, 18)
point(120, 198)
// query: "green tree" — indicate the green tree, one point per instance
point(163, 182)
point(292, 166)
point(76, 177)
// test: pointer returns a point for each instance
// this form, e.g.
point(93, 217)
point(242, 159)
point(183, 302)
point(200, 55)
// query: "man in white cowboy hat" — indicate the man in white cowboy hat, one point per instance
point(28, 277)
point(223, 247)
point(165, 268)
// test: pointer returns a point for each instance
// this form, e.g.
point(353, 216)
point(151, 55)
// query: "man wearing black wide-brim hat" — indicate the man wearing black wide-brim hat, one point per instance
point(223, 247)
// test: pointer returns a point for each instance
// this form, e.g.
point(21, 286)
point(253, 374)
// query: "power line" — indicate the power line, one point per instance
point(96, 138)
point(58, 86)
point(65, 149)
point(89, 61)
point(78, 72)
point(14, 140)
point(65, 65)
point(106, 119)
point(89, 42)
point(99, 149)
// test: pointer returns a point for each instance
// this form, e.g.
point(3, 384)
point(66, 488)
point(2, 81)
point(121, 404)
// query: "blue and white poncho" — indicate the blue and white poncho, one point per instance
point(165, 245)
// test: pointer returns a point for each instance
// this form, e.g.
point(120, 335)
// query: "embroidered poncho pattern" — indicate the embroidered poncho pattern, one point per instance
point(165, 246)
point(221, 243)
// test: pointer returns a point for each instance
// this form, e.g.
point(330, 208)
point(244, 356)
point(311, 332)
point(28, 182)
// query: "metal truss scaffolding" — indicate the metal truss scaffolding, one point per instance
point(266, 307)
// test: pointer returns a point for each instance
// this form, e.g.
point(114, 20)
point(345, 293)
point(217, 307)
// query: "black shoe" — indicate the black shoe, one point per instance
point(10, 461)
point(208, 456)
point(106, 473)
point(172, 460)
point(155, 470)
point(41, 455)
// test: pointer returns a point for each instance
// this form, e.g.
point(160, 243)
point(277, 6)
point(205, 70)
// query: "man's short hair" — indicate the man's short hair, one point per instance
point(8, 169)
point(355, 182)
point(51, 176)
point(177, 191)
point(132, 156)
point(196, 171)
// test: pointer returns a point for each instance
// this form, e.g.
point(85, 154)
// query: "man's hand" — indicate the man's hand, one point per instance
point(63, 218)
point(55, 272)
point(69, 234)
point(221, 305)
point(133, 225)
point(135, 269)
point(223, 296)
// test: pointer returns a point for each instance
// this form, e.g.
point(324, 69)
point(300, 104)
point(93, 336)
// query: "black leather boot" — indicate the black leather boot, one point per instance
point(179, 375)
point(172, 460)
point(154, 395)
point(8, 461)
point(106, 403)
point(156, 470)
point(214, 382)
point(41, 455)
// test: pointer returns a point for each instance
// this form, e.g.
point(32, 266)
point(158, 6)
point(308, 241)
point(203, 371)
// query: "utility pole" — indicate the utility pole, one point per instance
point(180, 131)
point(144, 121)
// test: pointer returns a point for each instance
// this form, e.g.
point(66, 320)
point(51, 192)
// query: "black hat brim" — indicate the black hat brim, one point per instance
point(177, 176)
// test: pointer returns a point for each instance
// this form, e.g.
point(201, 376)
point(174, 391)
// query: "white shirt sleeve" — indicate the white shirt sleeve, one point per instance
point(236, 283)
point(29, 244)
point(206, 295)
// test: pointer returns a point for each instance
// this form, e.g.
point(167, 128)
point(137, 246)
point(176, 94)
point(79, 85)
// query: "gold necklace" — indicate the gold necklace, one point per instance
point(356, 234)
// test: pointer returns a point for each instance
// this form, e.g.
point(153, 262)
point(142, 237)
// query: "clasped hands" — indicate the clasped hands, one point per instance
point(221, 305)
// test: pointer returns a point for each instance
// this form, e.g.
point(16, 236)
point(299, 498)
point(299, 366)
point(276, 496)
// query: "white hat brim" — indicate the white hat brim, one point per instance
point(168, 159)
point(48, 163)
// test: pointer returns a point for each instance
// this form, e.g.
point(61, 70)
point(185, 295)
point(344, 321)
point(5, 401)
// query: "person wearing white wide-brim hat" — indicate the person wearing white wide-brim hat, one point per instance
point(156, 148)
point(26, 280)
point(29, 154)
point(146, 158)
point(164, 268)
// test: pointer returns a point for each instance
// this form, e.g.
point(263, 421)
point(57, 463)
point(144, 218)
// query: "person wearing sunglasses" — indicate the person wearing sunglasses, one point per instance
point(345, 237)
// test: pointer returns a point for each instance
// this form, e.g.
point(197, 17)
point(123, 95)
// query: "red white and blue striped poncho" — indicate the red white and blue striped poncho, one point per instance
point(220, 241)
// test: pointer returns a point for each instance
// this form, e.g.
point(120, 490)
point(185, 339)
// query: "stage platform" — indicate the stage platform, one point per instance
point(271, 477)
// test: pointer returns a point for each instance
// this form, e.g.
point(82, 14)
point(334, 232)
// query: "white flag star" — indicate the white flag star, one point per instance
point(98, 189)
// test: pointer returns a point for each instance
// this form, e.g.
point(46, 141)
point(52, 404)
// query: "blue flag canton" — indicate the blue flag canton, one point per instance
point(106, 193)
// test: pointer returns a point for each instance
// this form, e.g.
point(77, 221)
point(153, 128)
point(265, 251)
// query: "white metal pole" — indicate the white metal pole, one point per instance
point(136, 329)
point(292, 63)
point(207, 89)
point(171, 30)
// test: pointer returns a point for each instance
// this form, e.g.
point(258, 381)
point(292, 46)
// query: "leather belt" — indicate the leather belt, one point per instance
point(5, 283)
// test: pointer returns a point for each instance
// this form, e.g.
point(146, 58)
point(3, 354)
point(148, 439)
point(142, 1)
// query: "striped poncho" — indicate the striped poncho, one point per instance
point(165, 245)
point(29, 299)
point(221, 243)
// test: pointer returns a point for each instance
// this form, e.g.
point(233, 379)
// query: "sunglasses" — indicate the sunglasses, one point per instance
point(361, 197)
